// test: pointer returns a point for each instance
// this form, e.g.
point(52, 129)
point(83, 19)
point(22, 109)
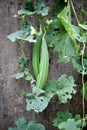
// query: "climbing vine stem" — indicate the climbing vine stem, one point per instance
point(83, 86)
point(34, 115)
point(74, 11)
point(22, 50)
point(82, 59)
point(81, 15)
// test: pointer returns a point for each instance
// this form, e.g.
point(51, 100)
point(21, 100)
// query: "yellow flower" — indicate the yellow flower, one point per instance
point(66, 0)
point(33, 30)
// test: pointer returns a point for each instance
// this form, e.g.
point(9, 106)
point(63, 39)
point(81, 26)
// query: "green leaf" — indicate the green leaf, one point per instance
point(24, 33)
point(77, 117)
point(58, 38)
point(14, 36)
point(85, 92)
point(30, 38)
point(17, 35)
point(25, 25)
point(51, 89)
point(52, 29)
point(18, 75)
point(31, 9)
point(37, 91)
point(28, 8)
point(26, 71)
point(21, 35)
point(64, 45)
point(70, 124)
point(64, 121)
point(64, 17)
point(61, 117)
point(29, 77)
point(21, 123)
point(65, 88)
point(53, 25)
point(77, 64)
point(35, 101)
point(24, 11)
point(23, 61)
point(32, 125)
point(42, 9)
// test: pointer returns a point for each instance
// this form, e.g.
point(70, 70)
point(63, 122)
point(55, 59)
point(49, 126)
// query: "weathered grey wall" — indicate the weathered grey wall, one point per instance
point(12, 104)
point(8, 63)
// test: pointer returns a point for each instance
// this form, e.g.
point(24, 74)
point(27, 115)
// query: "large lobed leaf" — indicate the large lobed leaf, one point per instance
point(58, 38)
point(31, 9)
point(24, 33)
point(21, 35)
point(51, 89)
point(32, 125)
point(65, 19)
point(22, 124)
point(61, 117)
point(36, 101)
point(77, 64)
point(64, 46)
point(64, 88)
point(65, 121)
point(70, 124)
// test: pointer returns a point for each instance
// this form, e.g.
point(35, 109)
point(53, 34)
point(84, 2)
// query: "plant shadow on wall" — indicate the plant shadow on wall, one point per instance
point(56, 34)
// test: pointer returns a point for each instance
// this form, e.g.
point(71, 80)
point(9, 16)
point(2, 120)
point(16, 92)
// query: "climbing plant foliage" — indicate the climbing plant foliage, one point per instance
point(64, 120)
point(35, 101)
point(22, 124)
point(53, 31)
point(63, 87)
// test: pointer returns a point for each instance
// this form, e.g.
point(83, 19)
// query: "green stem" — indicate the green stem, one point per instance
point(34, 114)
point(22, 51)
point(81, 15)
point(83, 50)
point(74, 12)
point(82, 4)
point(83, 86)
